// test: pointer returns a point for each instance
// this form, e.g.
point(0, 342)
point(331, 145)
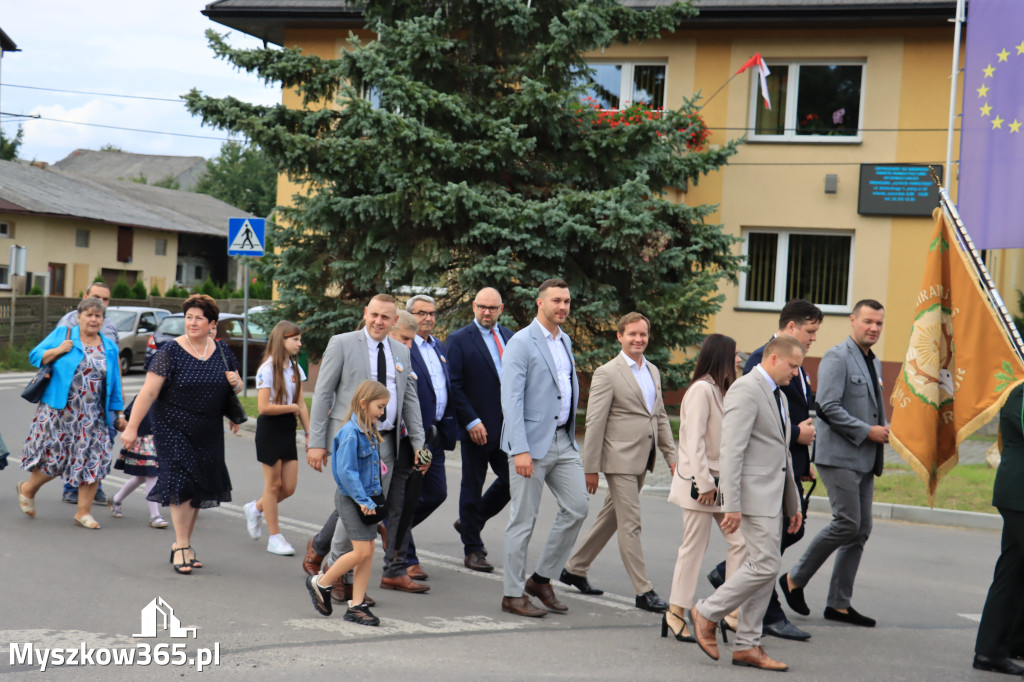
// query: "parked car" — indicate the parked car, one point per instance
point(229, 329)
point(135, 326)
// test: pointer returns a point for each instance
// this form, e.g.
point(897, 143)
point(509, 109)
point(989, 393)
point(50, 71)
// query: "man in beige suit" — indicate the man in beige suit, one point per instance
point(758, 491)
point(626, 425)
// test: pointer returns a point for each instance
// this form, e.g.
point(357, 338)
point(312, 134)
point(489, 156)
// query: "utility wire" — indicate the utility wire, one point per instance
point(98, 94)
point(36, 117)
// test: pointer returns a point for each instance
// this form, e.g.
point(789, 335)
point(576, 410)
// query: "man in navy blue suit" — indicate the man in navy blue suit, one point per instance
point(474, 359)
point(800, 320)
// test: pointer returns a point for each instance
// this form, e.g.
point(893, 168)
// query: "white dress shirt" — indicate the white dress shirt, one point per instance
point(392, 414)
point(563, 370)
point(642, 373)
point(432, 357)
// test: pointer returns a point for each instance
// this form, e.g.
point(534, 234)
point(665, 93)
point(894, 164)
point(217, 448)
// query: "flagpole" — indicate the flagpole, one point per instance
point(986, 279)
point(952, 90)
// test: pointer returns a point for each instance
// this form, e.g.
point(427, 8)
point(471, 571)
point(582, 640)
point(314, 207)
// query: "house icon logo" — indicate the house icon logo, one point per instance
point(158, 614)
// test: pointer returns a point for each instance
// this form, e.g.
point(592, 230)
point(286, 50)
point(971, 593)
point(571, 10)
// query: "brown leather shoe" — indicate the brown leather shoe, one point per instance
point(546, 594)
point(477, 561)
point(382, 531)
point(311, 562)
point(341, 592)
point(757, 657)
point(521, 606)
point(704, 631)
point(416, 572)
point(403, 583)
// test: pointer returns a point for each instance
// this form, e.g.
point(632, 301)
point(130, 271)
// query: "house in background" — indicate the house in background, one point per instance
point(177, 172)
point(76, 227)
point(859, 94)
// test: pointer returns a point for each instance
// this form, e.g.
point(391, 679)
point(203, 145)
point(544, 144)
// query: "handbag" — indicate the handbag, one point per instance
point(37, 385)
point(694, 493)
point(378, 512)
point(233, 409)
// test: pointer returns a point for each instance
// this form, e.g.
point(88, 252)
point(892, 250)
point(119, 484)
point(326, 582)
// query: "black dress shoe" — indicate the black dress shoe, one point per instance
point(795, 597)
point(997, 665)
point(851, 617)
point(650, 601)
point(783, 629)
point(716, 578)
point(580, 582)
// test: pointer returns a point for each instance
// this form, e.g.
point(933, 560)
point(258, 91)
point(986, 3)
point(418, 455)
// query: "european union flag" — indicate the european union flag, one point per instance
point(991, 182)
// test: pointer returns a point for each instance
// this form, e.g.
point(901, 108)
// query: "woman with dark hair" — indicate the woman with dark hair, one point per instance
point(70, 436)
point(695, 483)
point(186, 385)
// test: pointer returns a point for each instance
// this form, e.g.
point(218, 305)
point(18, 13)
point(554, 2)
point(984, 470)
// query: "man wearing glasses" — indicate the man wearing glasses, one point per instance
point(474, 361)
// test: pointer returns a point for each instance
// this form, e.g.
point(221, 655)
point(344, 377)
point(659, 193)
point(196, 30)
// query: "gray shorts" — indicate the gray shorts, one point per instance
point(348, 513)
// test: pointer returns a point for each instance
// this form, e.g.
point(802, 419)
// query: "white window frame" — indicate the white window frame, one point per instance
point(626, 77)
point(6, 229)
point(157, 243)
point(781, 268)
point(792, 96)
point(5, 277)
point(88, 238)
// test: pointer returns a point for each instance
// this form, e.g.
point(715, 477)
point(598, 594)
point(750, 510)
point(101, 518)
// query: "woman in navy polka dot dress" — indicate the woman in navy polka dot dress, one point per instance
point(186, 385)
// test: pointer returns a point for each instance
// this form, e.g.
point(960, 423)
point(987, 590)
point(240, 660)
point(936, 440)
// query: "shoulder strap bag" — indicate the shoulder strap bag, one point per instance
point(37, 385)
point(233, 409)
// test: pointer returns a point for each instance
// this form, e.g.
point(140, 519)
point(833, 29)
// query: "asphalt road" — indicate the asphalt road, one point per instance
point(65, 586)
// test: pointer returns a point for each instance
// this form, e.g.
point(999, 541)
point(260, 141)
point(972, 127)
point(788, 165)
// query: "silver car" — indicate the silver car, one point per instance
point(134, 327)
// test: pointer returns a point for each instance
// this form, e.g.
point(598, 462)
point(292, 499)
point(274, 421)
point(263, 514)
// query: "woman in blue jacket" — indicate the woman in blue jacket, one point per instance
point(69, 435)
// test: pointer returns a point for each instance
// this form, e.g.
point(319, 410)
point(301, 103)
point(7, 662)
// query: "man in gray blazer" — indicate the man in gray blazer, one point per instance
point(539, 392)
point(852, 430)
point(758, 494)
point(349, 360)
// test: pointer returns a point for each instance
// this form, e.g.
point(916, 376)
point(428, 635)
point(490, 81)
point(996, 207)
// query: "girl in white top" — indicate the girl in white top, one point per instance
point(279, 399)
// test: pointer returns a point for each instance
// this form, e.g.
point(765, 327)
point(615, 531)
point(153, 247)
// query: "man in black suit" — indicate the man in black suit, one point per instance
point(474, 361)
point(999, 633)
point(801, 320)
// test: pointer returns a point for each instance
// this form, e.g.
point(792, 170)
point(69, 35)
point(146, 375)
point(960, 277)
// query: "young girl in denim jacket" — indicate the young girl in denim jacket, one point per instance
point(356, 468)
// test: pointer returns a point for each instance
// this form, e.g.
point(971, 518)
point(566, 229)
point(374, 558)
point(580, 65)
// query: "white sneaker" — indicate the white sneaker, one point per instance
point(278, 545)
point(253, 520)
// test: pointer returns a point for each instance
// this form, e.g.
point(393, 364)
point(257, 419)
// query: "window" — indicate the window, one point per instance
point(783, 265)
point(161, 247)
point(82, 238)
point(125, 242)
point(811, 102)
point(57, 271)
point(5, 277)
point(6, 230)
point(199, 273)
point(147, 322)
point(618, 85)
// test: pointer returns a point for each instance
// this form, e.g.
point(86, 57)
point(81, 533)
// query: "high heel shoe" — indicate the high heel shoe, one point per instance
point(724, 627)
point(179, 568)
point(680, 637)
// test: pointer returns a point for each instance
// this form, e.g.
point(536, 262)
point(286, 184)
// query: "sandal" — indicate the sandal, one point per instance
point(194, 561)
point(157, 522)
point(87, 521)
point(115, 508)
point(27, 504)
point(180, 568)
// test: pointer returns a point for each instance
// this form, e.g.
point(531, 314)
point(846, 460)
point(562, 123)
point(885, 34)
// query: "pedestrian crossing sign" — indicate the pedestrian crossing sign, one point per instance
point(246, 236)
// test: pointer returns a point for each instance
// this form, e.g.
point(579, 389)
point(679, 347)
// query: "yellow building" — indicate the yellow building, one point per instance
point(856, 89)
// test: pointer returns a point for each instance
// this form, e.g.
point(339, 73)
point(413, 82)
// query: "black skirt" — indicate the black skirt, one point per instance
point(275, 438)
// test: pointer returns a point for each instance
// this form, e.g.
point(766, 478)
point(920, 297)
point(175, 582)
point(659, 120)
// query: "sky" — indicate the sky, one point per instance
point(148, 48)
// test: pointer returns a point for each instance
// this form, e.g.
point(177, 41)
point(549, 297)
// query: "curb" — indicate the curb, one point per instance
point(897, 512)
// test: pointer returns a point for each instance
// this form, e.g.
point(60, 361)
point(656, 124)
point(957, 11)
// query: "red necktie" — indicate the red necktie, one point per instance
point(497, 342)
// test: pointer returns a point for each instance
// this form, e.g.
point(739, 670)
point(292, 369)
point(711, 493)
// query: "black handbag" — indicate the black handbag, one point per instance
point(694, 493)
point(378, 513)
point(233, 409)
point(37, 385)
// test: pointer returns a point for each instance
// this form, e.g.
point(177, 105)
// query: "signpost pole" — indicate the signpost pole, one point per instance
point(246, 237)
point(245, 331)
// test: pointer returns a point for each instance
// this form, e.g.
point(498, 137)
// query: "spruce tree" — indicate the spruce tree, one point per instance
point(455, 151)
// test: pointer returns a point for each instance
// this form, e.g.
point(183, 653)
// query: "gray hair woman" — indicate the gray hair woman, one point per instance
point(69, 436)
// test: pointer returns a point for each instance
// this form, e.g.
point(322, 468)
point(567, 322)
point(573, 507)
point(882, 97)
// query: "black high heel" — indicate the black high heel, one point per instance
point(184, 562)
point(724, 627)
point(680, 637)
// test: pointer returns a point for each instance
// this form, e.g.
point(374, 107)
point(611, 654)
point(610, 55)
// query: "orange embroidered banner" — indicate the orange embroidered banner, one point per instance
point(960, 362)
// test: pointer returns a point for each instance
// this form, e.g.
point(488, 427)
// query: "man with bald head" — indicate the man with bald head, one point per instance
point(474, 362)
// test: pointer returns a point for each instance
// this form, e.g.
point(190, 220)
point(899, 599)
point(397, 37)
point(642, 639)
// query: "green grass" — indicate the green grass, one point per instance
point(968, 487)
point(16, 359)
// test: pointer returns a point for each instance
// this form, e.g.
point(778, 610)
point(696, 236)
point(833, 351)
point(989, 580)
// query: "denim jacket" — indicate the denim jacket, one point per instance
point(356, 464)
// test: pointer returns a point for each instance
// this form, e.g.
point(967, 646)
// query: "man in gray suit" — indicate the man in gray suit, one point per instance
point(852, 430)
point(539, 392)
point(758, 493)
point(349, 360)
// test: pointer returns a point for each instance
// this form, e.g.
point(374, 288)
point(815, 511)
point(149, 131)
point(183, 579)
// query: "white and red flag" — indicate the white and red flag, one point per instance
point(762, 68)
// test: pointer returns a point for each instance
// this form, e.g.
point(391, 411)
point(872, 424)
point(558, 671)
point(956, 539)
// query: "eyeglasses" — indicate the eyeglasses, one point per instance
point(488, 308)
point(426, 313)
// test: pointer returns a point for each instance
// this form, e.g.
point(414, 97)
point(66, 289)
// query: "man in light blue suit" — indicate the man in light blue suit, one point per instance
point(539, 393)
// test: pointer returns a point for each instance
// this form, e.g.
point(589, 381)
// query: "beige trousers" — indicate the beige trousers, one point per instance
point(696, 537)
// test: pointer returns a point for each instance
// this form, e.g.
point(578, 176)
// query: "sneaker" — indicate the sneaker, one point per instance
point(71, 497)
point(100, 498)
point(115, 508)
point(321, 595)
point(253, 520)
point(362, 615)
point(157, 522)
point(278, 545)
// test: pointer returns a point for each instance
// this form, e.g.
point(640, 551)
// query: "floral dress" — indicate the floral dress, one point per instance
point(74, 442)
